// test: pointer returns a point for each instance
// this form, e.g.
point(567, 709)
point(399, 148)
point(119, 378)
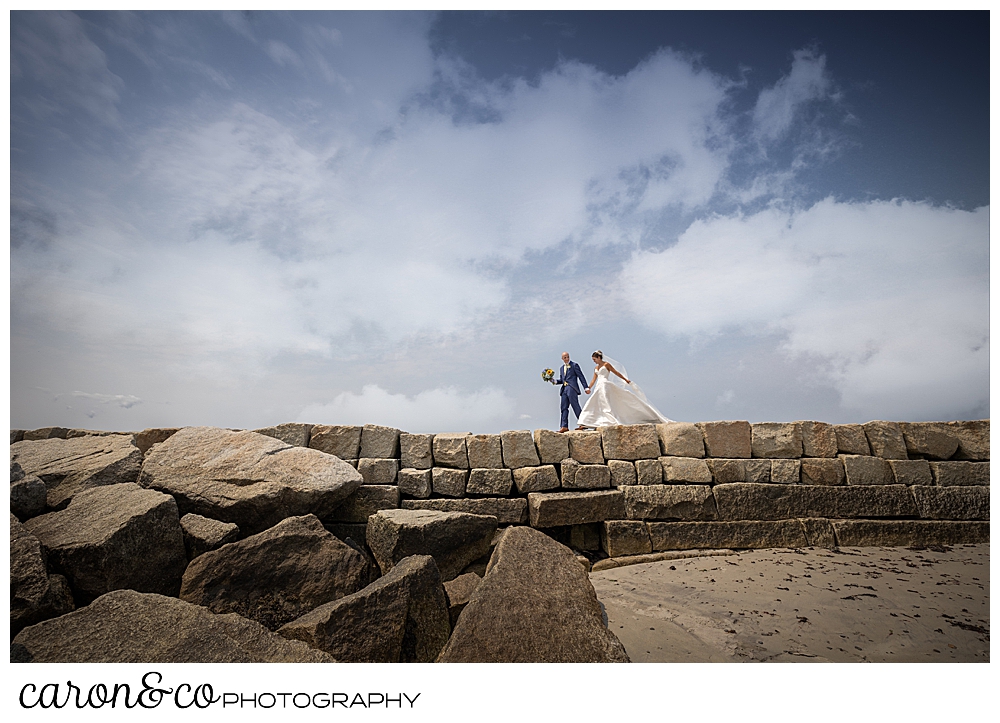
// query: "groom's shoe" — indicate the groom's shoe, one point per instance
point(580, 427)
point(563, 429)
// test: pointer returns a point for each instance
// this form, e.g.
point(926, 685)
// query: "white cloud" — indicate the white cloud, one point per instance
point(892, 296)
point(432, 410)
point(777, 106)
point(125, 401)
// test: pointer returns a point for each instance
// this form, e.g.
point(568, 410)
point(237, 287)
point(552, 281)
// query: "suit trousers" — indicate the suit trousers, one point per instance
point(568, 397)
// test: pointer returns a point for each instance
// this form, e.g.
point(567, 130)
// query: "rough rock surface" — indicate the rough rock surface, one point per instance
point(630, 441)
point(534, 604)
point(451, 450)
point(867, 470)
point(494, 482)
point(131, 627)
point(553, 509)
point(851, 439)
point(339, 440)
point(277, 575)
point(507, 510)
point(973, 439)
point(378, 471)
point(586, 476)
point(34, 435)
point(960, 473)
point(953, 503)
point(416, 451)
point(625, 537)
point(670, 502)
point(379, 442)
point(415, 482)
point(449, 482)
point(27, 496)
point(536, 479)
point(929, 440)
point(724, 471)
point(911, 471)
point(365, 502)
point(819, 439)
point(786, 471)
point(909, 533)
point(458, 592)
point(113, 537)
point(34, 594)
point(484, 451)
point(453, 539)
point(622, 472)
point(585, 446)
point(681, 439)
point(67, 466)
point(648, 471)
point(822, 471)
point(750, 534)
point(758, 470)
point(552, 447)
point(726, 439)
point(202, 534)
point(885, 439)
point(778, 502)
point(518, 449)
point(776, 440)
point(291, 433)
point(148, 437)
point(246, 478)
point(687, 469)
point(400, 618)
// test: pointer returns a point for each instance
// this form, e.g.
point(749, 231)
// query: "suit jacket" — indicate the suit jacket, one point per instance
point(569, 378)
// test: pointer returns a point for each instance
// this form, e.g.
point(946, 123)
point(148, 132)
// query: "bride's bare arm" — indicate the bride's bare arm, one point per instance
point(615, 371)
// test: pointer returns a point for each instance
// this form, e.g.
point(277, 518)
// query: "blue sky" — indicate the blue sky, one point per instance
point(243, 219)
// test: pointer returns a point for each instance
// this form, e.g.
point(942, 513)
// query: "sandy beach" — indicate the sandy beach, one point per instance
point(873, 604)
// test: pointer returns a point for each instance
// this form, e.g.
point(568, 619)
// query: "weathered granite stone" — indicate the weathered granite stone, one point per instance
point(277, 575)
point(365, 502)
point(508, 511)
point(567, 472)
point(552, 447)
point(685, 469)
point(929, 440)
point(625, 537)
point(588, 477)
point(822, 471)
point(416, 451)
point(630, 441)
point(973, 439)
point(112, 537)
point(16, 435)
point(493, 482)
point(535, 604)
point(145, 439)
point(458, 591)
point(450, 450)
point(131, 627)
point(819, 439)
point(16, 473)
point(453, 539)
point(378, 442)
point(669, 502)
point(246, 478)
point(724, 471)
point(518, 449)
point(400, 618)
point(727, 439)
point(415, 482)
point(484, 451)
point(909, 533)
point(27, 497)
point(885, 439)
point(202, 534)
point(819, 532)
point(536, 479)
point(681, 439)
point(622, 472)
point(867, 470)
point(851, 439)
point(339, 440)
point(67, 466)
point(73, 433)
point(34, 594)
point(757, 470)
point(778, 502)
point(952, 503)
point(291, 433)
point(786, 471)
point(585, 537)
point(34, 435)
point(585, 446)
point(449, 482)
point(649, 471)
point(552, 509)
point(378, 471)
point(776, 440)
point(911, 471)
point(960, 473)
point(746, 534)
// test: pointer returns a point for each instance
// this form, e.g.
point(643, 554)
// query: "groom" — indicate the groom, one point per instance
point(569, 392)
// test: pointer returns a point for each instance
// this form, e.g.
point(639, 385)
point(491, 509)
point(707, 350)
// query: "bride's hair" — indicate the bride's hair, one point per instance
point(599, 354)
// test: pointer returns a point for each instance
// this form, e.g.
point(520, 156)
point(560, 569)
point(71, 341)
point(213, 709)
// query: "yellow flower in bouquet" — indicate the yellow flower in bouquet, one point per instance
point(548, 375)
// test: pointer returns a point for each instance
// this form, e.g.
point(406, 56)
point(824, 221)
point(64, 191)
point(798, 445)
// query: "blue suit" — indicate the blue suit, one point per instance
point(569, 393)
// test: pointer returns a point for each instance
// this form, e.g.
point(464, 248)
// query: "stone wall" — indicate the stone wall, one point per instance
point(641, 489)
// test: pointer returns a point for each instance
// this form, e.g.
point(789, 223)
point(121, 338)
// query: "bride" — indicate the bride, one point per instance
point(615, 400)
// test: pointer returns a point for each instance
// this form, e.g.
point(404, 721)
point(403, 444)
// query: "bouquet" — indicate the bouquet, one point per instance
point(548, 375)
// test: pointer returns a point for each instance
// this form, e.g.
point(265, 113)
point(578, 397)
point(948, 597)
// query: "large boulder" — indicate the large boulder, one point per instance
point(145, 439)
point(535, 604)
point(277, 575)
point(34, 594)
point(291, 433)
point(552, 447)
point(585, 446)
point(776, 440)
point(929, 440)
point(113, 537)
point(450, 450)
point(556, 509)
point(681, 439)
point(727, 439)
point(973, 439)
point(131, 627)
point(484, 451)
point(67, 466)
point(400, 618)
point(378, 442)
point(453, 539)
point(415, 451)
point(744, 501)
point(669, 502)
point(507, 510)
point(27, 496)
point(246, 478)
point(885, 439)
point(819, 439)
point(518, 449)
point(339, 440)
point(365, 502)
point(202, 535)
point(630, 441)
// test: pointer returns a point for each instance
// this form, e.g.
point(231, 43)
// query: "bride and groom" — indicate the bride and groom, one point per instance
point(614, 399)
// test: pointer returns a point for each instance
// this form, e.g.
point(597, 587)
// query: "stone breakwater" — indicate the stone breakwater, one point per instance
point(319, 542)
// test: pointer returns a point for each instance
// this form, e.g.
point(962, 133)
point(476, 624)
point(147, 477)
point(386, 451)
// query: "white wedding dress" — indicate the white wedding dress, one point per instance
point(612, 402)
